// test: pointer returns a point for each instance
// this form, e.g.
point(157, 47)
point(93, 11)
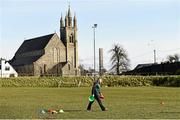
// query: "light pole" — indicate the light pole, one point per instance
point(154, 51)
point(94, 29)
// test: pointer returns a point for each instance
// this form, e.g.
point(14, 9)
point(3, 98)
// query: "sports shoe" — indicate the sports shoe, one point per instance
point(105, 109)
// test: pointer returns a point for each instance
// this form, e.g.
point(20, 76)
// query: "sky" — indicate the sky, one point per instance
point(140, 26)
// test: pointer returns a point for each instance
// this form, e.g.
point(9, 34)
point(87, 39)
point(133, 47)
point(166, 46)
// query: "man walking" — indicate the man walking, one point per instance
point(97, 95)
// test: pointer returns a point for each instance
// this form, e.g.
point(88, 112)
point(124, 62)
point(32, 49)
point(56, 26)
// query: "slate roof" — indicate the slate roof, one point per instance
point(144, 65)
point(24, 61)
point(30, 45)
point(33, 44)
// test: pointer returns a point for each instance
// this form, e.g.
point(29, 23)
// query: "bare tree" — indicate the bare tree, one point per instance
point(176, 57)
point(173, 58)
point(83, 70)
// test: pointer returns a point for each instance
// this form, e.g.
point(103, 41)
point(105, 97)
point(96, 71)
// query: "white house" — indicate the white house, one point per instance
point(6, 70)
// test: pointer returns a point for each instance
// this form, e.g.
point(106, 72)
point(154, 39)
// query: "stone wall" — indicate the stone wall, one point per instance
point(49, 62)
point(69, 70)
point(25, 70)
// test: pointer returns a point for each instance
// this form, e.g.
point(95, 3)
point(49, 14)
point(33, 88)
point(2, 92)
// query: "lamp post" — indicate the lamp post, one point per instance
point(154, 50)
point(94, 29)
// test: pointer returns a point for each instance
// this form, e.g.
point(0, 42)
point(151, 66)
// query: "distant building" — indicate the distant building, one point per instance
point(156, 69)
point(6, 70)
point(50, 54)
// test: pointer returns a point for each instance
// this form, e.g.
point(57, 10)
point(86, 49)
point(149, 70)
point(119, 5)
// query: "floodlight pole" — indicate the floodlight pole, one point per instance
point(154, 51)
point(94, 29)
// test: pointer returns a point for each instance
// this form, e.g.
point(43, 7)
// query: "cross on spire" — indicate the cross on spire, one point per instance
point(69, 9)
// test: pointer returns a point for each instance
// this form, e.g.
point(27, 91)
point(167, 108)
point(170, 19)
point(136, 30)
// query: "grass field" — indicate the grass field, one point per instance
point(122, 102)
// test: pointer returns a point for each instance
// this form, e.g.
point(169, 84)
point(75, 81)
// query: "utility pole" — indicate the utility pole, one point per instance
point(94, 29)
point(154, 56)
point(154, 51)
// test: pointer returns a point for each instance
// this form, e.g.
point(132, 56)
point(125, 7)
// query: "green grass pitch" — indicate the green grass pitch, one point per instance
point(122, 102)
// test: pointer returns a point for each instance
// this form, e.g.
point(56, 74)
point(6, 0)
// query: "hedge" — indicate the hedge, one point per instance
point(111, 81)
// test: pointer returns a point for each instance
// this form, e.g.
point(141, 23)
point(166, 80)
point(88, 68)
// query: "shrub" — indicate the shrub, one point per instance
point(111, 81)
point(177, 72)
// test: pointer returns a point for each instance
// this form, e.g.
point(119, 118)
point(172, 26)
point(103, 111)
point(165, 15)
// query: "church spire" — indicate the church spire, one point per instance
point(69, 16)
point(69, 11)
point(66, 20)
point(62, 21)
point(75, 21)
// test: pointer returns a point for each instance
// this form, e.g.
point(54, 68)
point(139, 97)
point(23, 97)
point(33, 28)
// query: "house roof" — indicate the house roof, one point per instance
point(143, 65)
point(33, 44)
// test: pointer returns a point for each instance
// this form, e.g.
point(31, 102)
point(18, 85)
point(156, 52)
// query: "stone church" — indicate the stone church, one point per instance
point(50, 54)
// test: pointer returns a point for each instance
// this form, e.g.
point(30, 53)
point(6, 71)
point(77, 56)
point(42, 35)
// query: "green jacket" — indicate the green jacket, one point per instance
point(96, 88)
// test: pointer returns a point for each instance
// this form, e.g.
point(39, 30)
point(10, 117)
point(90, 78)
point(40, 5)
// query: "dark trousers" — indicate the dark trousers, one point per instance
point(99, 102)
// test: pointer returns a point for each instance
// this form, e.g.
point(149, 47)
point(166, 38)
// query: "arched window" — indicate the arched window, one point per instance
point(44, 68)
point(71, 38)
point(40, 70)
point(69, 66)
point(55, 55)
point(72, 61)
point(59, 55)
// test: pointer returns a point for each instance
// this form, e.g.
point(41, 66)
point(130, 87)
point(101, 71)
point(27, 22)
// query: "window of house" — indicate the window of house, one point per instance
point(7, 68)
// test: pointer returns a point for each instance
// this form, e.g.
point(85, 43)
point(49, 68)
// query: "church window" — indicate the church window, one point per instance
point(59, 55)
point(44, 68)
point(71, 38)
point(69, 66)
point(55, 55)
point(40, 69)
point(72, 61)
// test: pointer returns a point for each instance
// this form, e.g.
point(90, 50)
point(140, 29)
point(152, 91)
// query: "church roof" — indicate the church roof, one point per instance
point(30, 45)
point(24, 60)
point(33, 44)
